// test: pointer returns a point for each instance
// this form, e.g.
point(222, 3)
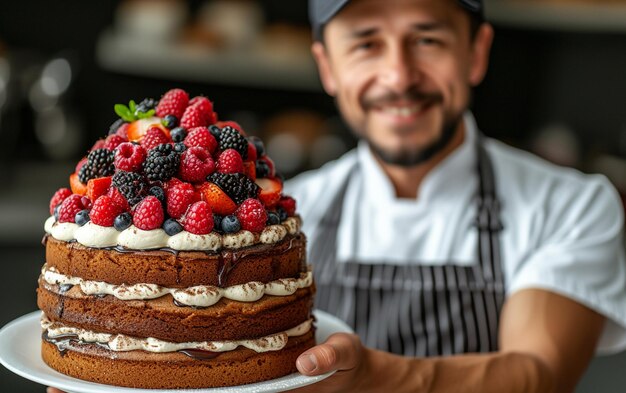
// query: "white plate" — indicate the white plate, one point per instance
point(20, 352)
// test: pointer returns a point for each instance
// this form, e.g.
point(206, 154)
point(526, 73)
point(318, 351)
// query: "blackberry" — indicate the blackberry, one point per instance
point(132, 185)
point(262, 169)
point(116, 124)
point(236, 185)
point(232, 139)
point(145, 105)
point(161, 163)
point(99, 164)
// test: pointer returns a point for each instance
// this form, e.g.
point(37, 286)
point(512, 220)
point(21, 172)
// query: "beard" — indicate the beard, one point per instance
point(410, 156)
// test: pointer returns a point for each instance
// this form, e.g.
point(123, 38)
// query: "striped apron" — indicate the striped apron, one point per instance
point(417, 309)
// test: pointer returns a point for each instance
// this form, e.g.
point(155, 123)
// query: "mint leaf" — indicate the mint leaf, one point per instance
point(144, 115)
point(123, 112)
point(132, 106)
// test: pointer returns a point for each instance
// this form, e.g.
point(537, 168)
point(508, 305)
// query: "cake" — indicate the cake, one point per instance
point(174, 260)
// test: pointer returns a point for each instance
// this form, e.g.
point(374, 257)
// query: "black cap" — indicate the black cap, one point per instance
point(322, 11)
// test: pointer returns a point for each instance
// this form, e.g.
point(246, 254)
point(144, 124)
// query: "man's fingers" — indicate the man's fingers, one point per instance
point(340, 352)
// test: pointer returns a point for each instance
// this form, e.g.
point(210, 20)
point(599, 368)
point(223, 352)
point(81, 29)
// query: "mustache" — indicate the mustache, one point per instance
point(392, 97)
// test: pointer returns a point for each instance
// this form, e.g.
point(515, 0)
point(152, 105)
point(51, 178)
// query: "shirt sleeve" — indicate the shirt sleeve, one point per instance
point(581, 254)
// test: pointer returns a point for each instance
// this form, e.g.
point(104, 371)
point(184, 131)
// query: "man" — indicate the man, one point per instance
point(463, 265)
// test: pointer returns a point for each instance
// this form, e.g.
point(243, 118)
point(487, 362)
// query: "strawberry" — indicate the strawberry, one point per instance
point(249, 169)
point(196, 164)
point(199, 219)
point(76, 186)
point(70, 206)
point(233, 124)
point(179, 198)
point(252, 215)
point(97, 187)
point(148, 214)
point(113, 141)
point(288, 204)
point(58, 198)
point(129, 157)
point(271, 189)
point(217, 199)
point(230, 161)
point(154, 137)
point(104, 211)
point(173, 102)
point(202, 137)
point(119, 199)
point(138, 128)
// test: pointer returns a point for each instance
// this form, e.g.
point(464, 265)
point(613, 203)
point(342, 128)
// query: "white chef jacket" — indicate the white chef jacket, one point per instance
point(563, 230)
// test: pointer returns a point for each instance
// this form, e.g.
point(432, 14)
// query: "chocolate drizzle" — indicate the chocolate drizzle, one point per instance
point(62, 342)
point(199, 354)
point(64, 288)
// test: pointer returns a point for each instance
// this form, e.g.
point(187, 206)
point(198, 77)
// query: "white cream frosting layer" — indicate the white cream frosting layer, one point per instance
point(133, 238)
point(198, 296)
point(120, 342)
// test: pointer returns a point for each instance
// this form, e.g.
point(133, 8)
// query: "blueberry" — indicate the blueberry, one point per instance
point(216, 132)
point(217, 223)
point(179, 147)
point(273, 218)
point(82, 217)
point(116, 124)
point(122, 221)
point(170, 121)
point(178, 134)
point(158, 193)
point(145, 105)
point(282, 214)
point(230, 224)
point(56, 212)
point(262, 169)
point(258, 145)
point(172, 227)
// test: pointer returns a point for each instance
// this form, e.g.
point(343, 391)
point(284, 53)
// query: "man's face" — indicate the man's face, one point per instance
point(401, 72)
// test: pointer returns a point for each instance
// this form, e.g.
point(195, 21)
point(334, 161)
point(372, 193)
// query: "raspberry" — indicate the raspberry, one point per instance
point(288, 204)
point(252, 215)
point(173, 102)
point(196, 164)
point(251, 152)
point(232, 124)
point(179, 198)
point(129, 157)
point(115, 126)
point(99, 164)
point(99, 144)
point(153, 138)
point(131, 185)
point(104, 211)
point(206, 108)
point(118, 198)
point(199, 219)
point(113, 141)
point(148, 214)
point(58, 198)
point(230, 138)
point(194, 117)
point(236, 185)
point(201, 136)
point(229, 161)
point(161, 163)
point(123, 131)
point(80, 164)
point(70, 206)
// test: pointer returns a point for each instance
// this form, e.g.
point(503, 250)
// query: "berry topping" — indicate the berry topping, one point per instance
point(172, 227)
point(131, 185)
point(80, 164)
point(249, 169)
point(161, 163)
point(217, 223)
point(179, 198)
point(98, 186)
point(170, 121)
point(282, 214)
point(258, 144)
point(270, 191)
point(104, 211)
point(148, 214)
point(138, 129)
point(113, 141)
point(230, 161)
point(195, 117)
point(265, 167)
point(158, 192)
point(153, 138)
point(118, 198)
point(98, 145)
point(215, 131)
point(196, 164)
point(288, 204)
point(252, 156)
point(99, 164)
point(218, 200)
point(273, 218)
point(70, 206)
point(178, 134)
point(230, 224)
point(252, 215)
point(122, 221)
point(145, 106)
point(58, 198)
point(236, 185)
point(232, 124)
point(82, 217)
point(129, 157)
point(202, 137)
point(116, 126)
point(173, 102)
point(123, 130)
point(230, 138)
point(76, 186)
point(199, 219)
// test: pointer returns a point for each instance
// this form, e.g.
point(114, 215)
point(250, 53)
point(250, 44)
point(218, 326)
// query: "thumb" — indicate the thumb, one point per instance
point(341, 351)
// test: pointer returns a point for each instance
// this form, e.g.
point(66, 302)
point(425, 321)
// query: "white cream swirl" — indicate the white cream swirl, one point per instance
point(197, 296)
point(121, 342)
point(133, 238)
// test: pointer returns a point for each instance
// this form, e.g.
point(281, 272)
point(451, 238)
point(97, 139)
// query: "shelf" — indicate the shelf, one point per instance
point(571, 16)
point(252, 68)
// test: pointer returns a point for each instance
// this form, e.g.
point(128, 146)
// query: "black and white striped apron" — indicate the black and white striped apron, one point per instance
point(417, 309)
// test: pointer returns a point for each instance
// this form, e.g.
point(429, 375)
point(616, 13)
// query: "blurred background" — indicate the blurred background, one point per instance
point(557, 87)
